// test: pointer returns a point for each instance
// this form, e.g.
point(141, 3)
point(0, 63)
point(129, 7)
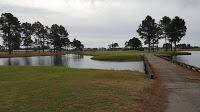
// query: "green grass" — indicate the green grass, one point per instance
point(168, 54)
point(125, 55)
point(193, 49)
point(58, 89)
point(114, 55)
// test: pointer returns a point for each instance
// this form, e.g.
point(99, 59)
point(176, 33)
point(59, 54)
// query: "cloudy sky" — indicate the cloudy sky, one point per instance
point(98, 23)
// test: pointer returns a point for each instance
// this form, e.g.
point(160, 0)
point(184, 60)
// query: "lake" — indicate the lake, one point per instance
point(193, 59)
point(73, 61)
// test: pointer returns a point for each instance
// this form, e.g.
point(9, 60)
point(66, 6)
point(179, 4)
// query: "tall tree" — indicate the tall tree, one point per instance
point(54, 36)
point(10, 26)
point(44, 37)
point(164, 24)
point(65, 42)
point(147, 30)
point(158, 36)
point(27, 32)
point(77, 45)
point(177, 29)
point(41, 35)
point(134, 43)
point(17, 41)
point(59, 37)
point(48, 37)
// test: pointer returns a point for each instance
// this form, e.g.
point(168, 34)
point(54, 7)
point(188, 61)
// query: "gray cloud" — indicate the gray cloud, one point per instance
point(11, 8)
point(99, 22)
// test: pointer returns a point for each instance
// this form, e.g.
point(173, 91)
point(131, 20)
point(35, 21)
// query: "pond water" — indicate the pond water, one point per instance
point(193, 59)
point(73, 61)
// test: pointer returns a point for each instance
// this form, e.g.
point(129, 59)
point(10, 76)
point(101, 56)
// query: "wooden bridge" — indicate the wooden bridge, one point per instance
point(182, 85)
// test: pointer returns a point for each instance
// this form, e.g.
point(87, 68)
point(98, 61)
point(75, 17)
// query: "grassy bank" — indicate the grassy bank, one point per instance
point(55, 89)
point(125, 55)
point(28, 54)
point(114, 55)
point(194, 49)
point(168, 54)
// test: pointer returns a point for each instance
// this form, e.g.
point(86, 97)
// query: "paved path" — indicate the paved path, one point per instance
point(183, 88)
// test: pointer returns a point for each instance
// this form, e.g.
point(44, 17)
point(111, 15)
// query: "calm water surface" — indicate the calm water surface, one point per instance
point(72, 61)
point(193, 59)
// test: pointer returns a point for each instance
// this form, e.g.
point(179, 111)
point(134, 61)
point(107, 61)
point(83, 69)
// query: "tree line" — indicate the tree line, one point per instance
point(172, 30)
point(36, 35)
point(132, 44)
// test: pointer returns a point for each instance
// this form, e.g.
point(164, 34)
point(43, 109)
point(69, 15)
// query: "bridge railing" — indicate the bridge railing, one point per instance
point(182, 64)
point(148, 69)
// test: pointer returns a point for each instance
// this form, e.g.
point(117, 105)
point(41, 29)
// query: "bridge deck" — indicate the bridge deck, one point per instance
point(182, 85)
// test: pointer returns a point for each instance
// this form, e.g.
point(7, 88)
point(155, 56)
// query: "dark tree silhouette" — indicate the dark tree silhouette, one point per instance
point(177, 29)
point(158, 36)
point(148, 30)
point(59, 37)
point(77, 45)
point(55, 38)
point(41, 35)
point(184, 46)
point(44, 37)
point(17, 41)
point(164, 24)
point(134, 43)
point(27, 31)
point(10, 26)
point(48, 37)
point(113, 45)
point(37, 29)
point(65, 42)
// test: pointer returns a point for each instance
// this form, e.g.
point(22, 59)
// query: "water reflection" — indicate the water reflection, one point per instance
point(27, 61)
point(72, 61)
point(193, 59)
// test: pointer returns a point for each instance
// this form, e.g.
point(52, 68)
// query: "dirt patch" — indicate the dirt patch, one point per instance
point(156, 99)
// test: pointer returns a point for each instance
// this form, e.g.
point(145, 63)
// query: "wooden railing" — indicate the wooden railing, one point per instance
point(148, 69)
point(182, 64)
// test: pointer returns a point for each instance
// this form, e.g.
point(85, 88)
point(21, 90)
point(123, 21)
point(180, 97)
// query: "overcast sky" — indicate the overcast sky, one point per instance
point(98, 23)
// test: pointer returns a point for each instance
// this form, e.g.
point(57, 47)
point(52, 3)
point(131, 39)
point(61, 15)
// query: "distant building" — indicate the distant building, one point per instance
point(102, 49)
point(90, 49)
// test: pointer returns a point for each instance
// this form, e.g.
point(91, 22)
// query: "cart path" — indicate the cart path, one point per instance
point(182, 85)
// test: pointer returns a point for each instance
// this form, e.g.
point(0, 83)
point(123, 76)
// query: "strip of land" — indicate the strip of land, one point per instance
point(130, 55)
point(28, 54)
point(113, 55)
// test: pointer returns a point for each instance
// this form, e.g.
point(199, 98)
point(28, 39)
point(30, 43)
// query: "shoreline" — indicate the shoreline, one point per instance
point(28, 54)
